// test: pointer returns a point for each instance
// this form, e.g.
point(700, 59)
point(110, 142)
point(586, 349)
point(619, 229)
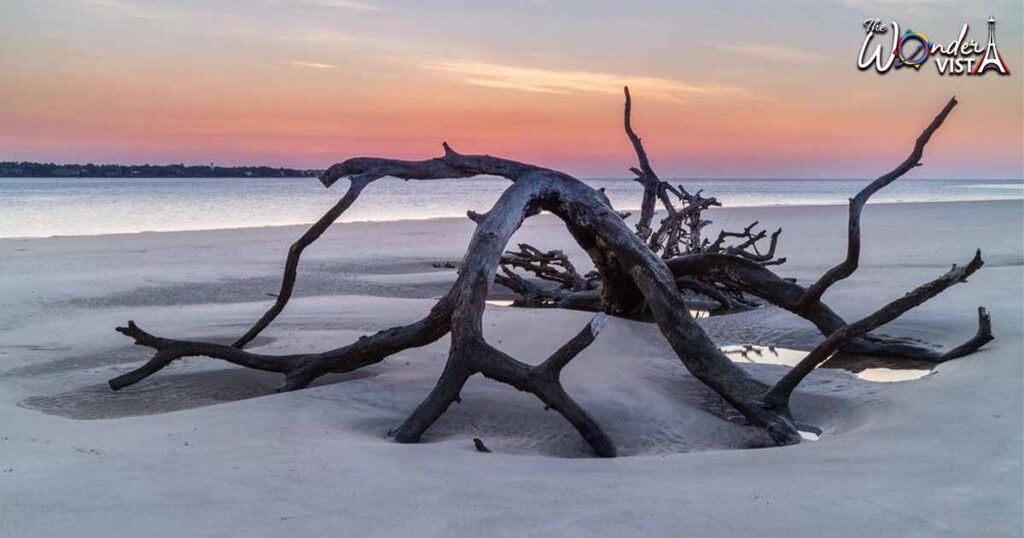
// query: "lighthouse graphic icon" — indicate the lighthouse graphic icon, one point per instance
point(992, 59)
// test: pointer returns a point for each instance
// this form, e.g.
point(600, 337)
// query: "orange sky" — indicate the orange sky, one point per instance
point(742, 89)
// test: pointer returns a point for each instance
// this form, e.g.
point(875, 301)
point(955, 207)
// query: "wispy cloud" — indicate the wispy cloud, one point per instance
point(313, 65)
point(323, 36)
point(130, 9)
point(882, 7)
point(494, 75)
point(355, 5)
point(774, 53)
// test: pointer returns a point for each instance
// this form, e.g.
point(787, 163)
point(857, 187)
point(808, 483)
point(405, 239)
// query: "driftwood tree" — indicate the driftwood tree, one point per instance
point(636, 271)
point(679, 233)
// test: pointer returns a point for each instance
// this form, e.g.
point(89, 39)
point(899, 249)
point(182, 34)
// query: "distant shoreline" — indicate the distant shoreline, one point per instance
point(26, 169)
point(29, 170)
point(304, 174)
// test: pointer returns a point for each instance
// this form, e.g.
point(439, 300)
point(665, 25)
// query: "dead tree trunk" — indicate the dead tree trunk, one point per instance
point(631, 273)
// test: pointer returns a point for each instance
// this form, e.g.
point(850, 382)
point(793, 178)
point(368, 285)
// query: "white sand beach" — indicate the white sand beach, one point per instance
point(204, 448)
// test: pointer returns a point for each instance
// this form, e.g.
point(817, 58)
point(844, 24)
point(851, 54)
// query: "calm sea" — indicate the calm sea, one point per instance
point(43, 207)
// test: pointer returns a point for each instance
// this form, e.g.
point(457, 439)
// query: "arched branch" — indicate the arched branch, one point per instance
point(361, 172)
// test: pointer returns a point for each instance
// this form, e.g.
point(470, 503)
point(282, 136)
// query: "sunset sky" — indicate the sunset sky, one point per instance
point(721, 89)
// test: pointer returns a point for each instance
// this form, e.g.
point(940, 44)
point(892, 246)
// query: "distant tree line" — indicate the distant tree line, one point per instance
point(30, 169)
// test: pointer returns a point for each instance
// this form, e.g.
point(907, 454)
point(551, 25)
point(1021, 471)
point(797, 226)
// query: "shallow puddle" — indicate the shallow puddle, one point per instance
point(891, 375)
point(809, 434)
point(696, 314)
point(874, 369)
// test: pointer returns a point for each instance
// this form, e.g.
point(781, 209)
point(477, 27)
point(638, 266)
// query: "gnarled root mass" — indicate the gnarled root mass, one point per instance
point(636, 270)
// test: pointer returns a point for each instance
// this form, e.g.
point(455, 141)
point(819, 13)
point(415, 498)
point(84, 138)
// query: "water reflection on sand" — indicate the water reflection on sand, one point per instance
point(874, 369)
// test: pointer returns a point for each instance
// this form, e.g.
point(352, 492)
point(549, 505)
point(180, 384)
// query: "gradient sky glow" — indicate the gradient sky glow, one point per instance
point(721, 89)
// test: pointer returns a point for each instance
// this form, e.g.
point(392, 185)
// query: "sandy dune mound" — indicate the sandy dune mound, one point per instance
point(629, 380)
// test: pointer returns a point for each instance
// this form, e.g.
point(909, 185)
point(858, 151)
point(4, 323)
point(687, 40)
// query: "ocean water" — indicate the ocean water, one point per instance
point(43, 207)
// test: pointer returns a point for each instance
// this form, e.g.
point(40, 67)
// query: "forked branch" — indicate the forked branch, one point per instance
point(849, 265)
point(644, 175)
point(780, 393)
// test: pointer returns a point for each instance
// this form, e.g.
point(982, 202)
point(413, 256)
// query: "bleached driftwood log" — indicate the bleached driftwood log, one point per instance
point(634, 276)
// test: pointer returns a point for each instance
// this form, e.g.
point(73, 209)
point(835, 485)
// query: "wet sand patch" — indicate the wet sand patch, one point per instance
point(167, 393)
point(374, 278)
point(121, 355)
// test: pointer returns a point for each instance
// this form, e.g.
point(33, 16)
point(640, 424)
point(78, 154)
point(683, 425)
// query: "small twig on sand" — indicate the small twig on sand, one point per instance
point(480, 447)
